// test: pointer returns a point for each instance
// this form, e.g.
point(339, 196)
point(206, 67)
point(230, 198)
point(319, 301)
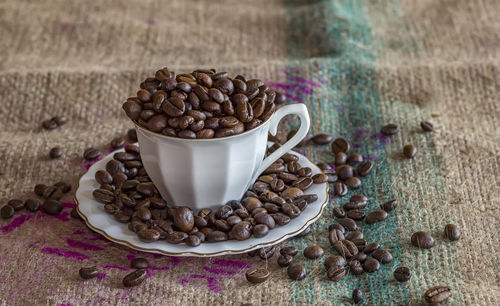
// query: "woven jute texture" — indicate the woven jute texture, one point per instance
point(356, 64)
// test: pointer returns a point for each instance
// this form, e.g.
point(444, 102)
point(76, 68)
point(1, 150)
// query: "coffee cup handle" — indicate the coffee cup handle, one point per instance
point(299, 109)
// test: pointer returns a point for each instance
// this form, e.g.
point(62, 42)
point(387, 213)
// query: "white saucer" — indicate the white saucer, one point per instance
point(98, 220)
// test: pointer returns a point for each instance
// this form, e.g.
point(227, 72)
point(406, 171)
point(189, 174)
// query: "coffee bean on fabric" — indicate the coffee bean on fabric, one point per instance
point(422, 240)
point(285, 260)
point(88, 272)
point(267, 252)
point(91, 153)
point(426, 126)
point(334, 260)
point(345, 248)
point(409, 151)
point(338, 212)
point(356, 214)
point(55, 152)
point(383, 256)
point(354, 158)
point(357, 296)
point(370, 247)
point(348, 223)
point(139, 263)
point(452, 232)
point(340, 189)
point(257, 275)
point(371, 265)
point(313, 252)
point(353, 182)
point(376, 216)
point(389, 205)
point(336, 272)
point(437, 295)
point(389, 129)
point(52, 192)
point(52, 207)
point(356, 267)
point(134, 278)
point(335, 235)
point(322, 139)
point(17, 204)
point(355, 205)
point(354, 235)
point(402, 274)
point(7, 212)
point(361, 257)
point(296, 271)
point(365, 168)
point(39, 189)
point(32, 205)
point(289, 250)
point(340, 145)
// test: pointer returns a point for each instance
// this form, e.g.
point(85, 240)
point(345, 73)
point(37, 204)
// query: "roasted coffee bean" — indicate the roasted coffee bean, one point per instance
point(132, 108)
point(365, 168)
point(290, 210)
point(55, 152)
point(344, 172)
point(361, 257)
point(452, 232)
point(353, 182)
point(409, 151)
point(336, 273)
point(292, 193)
point(371, 265)
point(183, 218)
point(143, 213)
point(357, 296)
point(39, 189)
point(139, 263)
point(16, 204)
point(355, 267)
point(7, 212)
point(356, 214)
point(376, 216)
point(437, 294)
point(49, 124)
point(118, 142)
point(134, 278)
point(177, 237)
point(132, 134)
point(322, 139)
point(242, 230)
point(266, 219)
point(225, 85)
point(193, 240)
point(340, 158)
point(313, 252)
point(222, 225)
point(382, 255)
point(251, 203)
point(355, 205)
point(233, 220)
point(340, 145)
point(345, 248)
point(52, 207)
point(389, 129)
point(303, 183)
point(257, 275)
point(359, 243)
point(122, 216)
point(309, 198)
point(52, 192)
point(274, 168)
point(338, 212)
point(91, 153)
point(260, 230)
point(293, 167)
point(285, 260)
point(335, 235)
point(336, 226)
point(114, 167)
point(349, 224)
point(149, 235)
point(289, 250)
point(104, 196)
point(334, 261)
point(216, 236)
point(88, 272)
point(426, 126)
point(340, 189)
point(389, 205)
point(354, 158)
point(371, 247)
point(205, 134)
point(224, 212)
point(32, 205)
point(402, 274)
point(267, 252)
point(306, 171)
point(320, 178)
point(63, 186)
point(296, 271)
point(354, 235)
point(422, 240)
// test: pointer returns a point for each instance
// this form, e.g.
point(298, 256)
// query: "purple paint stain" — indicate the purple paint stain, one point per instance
point(83, 245)
point(382, 138)
point(65, 254)
point(183, 281)
point(217, 271)
point(175, 260)
point(359, 133)
point(17, 222)
point(33, 244)
point(162, 268)
point(65, 304)
point(370, 157)
point(300, 80)
point(357, 145)
point(68, 205)
point(130, 257)
point(150, 21)
point(89, 163)
point(211, 281)
point(63, 217)
point(101, 276)
point(107, 267)
point(231, 263)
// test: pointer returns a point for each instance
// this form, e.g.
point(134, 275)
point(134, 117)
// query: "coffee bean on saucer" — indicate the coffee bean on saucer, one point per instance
point(55, 152)
point(452, 232)
point(422, 240)
point(104, 196)
point(257, 275)
point(296, 271)
point(402, 274)
point(260, 230)
point(313, 252)
point(183, 218)
point(336, 273)
point(322, 139)
point(437, 295)
point(389, 205)
point(320, 178)
point(91, 154)
point(285, 260)
point(383, 256)
point(409, 151)
point(17, 204)
point(389, 129)
point(134, 278)
point(426, 126)
point(117, 142)
point(371, 265)
point(289, 250)
point(103, 177)
point(357, 296)
point(149, 235)
point(7, 212)
point(139, 263)
point(88, 272)
point(52, 207)
point(340, 145)
point(33, 205)
point(39, 189)
point(376, 216)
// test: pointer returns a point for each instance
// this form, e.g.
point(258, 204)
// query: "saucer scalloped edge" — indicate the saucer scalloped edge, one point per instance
point(103, 223)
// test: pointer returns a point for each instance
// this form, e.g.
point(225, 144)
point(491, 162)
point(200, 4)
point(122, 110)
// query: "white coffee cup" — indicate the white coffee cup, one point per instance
point(205, 173)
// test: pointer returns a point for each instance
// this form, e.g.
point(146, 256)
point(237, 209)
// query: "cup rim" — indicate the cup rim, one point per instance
point(201, 139)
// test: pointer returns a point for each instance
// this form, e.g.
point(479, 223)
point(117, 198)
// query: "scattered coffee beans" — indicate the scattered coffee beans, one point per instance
point(402, 274)
point(422, 240)
point(376, 216)
point(335, 273)
point(383, 256)
point(313, 252)
point(139, 263)
point(91, 154)
point(451, 232)
point(52, 207)
point(389, 205)
point(371, 265)
point(17, 204)
point(322, 139)
point(437, 294)
point(257, 275)
point(40, 189)
point(134, 278)
point(32, 205)
point(357, 296)
point(7, 212)
point(409, 151)
point(55, 152)
point(340, 145)
point(289, 250)
point(426, 126)
point(54, 122)
point(88, 273)
point(389, 129)
point(285, 260)
point(334, 260)
point(296, 271)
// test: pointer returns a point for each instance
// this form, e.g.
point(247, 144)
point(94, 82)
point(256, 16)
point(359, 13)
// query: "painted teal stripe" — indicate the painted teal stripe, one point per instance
point(331, 40)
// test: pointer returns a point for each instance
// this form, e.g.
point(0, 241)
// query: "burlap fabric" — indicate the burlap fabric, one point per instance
point(357, 65)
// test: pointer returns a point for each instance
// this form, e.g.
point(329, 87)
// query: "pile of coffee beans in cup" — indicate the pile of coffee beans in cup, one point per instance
point(278, 196)
point(201, 104)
